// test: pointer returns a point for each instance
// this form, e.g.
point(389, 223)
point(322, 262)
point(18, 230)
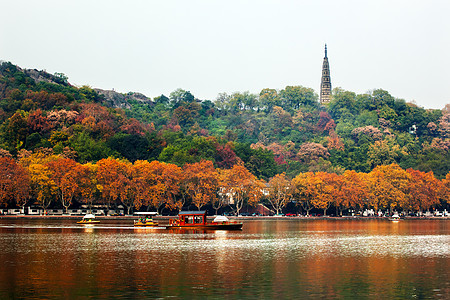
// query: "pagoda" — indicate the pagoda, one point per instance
point(325, 85)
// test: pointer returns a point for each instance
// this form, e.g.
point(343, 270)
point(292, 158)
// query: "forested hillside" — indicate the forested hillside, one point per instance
point(273, 132)
point(45, 122)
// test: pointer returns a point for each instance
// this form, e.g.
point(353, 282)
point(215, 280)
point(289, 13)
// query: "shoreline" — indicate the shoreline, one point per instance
point(135, 217)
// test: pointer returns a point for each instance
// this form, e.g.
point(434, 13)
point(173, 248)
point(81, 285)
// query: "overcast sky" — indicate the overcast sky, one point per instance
point(208, 47)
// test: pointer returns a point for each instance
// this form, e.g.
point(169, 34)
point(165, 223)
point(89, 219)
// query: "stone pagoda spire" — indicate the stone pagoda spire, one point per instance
point(325, 85)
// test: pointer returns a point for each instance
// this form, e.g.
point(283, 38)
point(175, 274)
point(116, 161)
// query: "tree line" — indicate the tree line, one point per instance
point(45, 179)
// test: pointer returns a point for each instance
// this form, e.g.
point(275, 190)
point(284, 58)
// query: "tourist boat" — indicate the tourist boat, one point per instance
point(395, 218)
point(88, 219)
point(145, 220)
point(145, 223)
point(197, 220)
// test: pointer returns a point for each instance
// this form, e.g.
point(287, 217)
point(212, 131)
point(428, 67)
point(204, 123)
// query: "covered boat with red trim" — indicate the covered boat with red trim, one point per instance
point(198, 220)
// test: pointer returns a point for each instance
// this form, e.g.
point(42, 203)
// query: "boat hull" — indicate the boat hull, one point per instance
point(231, 226)
point(148, 224)
point(88, 222)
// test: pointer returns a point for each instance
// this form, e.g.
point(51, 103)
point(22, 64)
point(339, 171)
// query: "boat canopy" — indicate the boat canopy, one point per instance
point(220, 219)
point(89, 216)
point(195, 212)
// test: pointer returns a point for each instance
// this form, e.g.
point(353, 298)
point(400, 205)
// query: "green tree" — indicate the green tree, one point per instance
point(293, 97)
point(130, 146)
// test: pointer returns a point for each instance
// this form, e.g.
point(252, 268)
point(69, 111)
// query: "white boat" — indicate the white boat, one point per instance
point(88, 219)
point(395, 218)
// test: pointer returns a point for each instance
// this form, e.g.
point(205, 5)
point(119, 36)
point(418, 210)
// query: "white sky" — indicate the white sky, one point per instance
point(208, 46)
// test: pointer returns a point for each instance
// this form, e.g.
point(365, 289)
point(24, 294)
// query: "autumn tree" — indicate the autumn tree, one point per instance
point(354, 191)
point(445, 188)
point(43, 187)
point(221, 199)
point(201, 181)
point(145, 184)
point(423, 190)
point(113, 180)
point(302, 192)
point(14, 182)
point(87, 183)
point(280, 191)
point(65, 175)
point(387, 186)
point(156, 183)
point(127, 194)
point(241, 186)
point(322, 188)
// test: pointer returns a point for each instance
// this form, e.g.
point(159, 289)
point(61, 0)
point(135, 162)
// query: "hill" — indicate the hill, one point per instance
point(273, 132)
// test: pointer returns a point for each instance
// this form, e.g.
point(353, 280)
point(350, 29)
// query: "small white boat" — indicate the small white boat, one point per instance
point(395, 218)
point(88, 219)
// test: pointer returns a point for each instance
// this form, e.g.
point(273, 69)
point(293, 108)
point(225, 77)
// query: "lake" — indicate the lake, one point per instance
point(286, 258)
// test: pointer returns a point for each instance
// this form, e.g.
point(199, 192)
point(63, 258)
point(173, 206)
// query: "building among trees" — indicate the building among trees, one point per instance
point(325, 85)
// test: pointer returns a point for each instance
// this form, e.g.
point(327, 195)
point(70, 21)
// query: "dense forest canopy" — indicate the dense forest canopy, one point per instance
point(278, 131)
point(273, 132)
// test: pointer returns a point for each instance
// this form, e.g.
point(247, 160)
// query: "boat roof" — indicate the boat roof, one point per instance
point(220, 219)
point(89, 216)
point(192, 212)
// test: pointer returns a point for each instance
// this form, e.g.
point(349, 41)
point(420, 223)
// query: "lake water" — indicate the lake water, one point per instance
point(332, 259)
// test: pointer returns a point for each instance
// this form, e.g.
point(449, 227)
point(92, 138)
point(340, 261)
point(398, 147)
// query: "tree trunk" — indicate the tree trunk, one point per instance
point(324, 212)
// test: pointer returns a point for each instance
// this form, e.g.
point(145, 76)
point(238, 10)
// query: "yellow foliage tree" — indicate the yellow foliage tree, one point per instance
point(387, 187)
point(280, 191)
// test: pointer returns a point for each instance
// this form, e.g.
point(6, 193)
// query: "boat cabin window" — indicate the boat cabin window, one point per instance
point(189, 219)
point(198, 219)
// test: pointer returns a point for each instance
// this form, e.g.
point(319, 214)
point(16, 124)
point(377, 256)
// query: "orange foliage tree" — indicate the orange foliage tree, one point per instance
point(172, 176)
point(201, 182)
point(126, 190)
point(155, 183)
point(14, 182)
point(113, 180)
point(64, 174)
point(87, 183)
point(354, 191)
point(445, 188)
point(423, 190)
point(241, 185)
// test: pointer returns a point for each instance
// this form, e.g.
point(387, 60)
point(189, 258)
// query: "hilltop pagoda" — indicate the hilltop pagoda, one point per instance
point(325, 85)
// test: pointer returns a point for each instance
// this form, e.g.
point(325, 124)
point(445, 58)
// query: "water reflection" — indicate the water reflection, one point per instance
point(267, 259)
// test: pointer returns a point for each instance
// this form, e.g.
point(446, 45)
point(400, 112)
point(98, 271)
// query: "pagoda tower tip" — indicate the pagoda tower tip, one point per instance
point(325, 85)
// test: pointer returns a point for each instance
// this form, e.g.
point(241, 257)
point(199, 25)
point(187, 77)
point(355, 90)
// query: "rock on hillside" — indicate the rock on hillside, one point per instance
point(119, 100)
